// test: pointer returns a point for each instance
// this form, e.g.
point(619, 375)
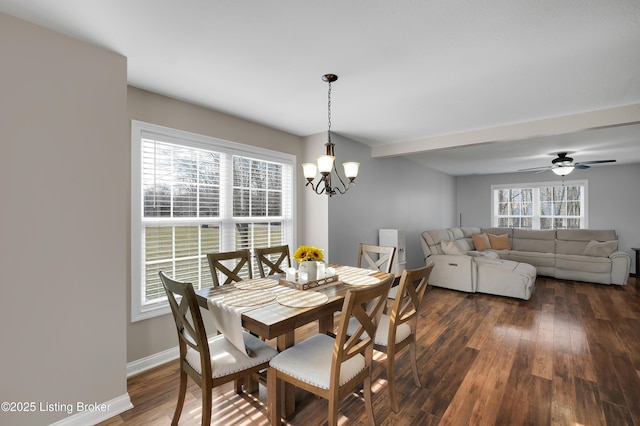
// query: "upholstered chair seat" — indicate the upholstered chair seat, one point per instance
point(226, 359)
point(310, 362)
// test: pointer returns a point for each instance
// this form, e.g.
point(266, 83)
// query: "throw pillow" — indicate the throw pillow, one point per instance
point(451, 247)
point(481, 241)
point(499, 242)
point(600, 248)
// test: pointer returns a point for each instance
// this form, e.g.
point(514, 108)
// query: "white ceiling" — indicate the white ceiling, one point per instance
point(412, 73)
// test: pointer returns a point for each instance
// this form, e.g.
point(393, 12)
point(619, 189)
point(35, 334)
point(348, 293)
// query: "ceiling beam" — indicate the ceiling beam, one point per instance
point(610, 117)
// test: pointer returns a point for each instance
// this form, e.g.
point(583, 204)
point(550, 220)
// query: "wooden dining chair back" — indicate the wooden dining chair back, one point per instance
point(272, 260)
point(230, 267)
point(197, 352)
point(332, 367)
point(378, 258)
point(398, 329)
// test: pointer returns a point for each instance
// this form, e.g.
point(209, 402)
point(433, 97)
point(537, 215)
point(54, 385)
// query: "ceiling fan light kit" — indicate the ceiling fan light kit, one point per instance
point(562, 170)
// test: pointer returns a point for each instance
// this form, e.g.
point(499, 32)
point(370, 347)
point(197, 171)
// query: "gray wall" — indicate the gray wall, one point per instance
point(613, 199)
point(390, 193)
point(63, 149)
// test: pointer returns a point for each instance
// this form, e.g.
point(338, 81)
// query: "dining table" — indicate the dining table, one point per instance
point(284, 309)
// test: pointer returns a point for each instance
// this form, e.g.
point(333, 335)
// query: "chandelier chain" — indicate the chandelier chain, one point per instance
point(329, 112)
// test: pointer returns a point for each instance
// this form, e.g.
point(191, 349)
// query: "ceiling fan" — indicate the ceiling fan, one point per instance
point(563, 165)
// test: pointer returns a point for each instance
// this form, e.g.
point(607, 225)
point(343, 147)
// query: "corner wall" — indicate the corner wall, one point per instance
point(63, 222)
point(392, 193)
point(313, 218)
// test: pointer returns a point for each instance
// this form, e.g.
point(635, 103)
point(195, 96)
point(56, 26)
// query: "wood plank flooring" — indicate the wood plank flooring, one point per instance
point(570, 355)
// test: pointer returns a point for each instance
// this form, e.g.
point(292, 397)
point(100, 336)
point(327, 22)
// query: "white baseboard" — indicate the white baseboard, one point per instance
point(146, 363)
point(99, 413)
point(122, 403)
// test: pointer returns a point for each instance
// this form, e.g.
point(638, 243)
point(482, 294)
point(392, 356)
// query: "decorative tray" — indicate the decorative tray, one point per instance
point(309, 284)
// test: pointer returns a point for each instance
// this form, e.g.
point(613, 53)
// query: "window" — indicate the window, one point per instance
point(193, 195)
point(549, 205)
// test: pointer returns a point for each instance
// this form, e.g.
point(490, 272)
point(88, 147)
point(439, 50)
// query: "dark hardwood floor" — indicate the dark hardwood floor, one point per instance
point(568, 356)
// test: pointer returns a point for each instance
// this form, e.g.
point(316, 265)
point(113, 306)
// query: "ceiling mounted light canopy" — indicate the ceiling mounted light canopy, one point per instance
point(326, 164)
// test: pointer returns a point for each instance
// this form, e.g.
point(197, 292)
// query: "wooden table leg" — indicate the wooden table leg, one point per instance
point(289, 396)
point(325, 324)
point(251, 385)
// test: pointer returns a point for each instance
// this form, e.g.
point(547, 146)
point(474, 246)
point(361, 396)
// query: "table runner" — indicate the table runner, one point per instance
point(228, 322)
point(227, 313)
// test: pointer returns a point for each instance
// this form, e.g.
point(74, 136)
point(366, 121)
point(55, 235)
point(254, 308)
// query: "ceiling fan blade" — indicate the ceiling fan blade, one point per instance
point(596, 162)
point(581, 166)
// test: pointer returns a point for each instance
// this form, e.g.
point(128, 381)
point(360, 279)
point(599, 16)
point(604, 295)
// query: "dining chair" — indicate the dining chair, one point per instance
point(332, 367)
point(272, 258)
point(378, 258)
point(240, 269)
point(209, 362)
point(398, 329)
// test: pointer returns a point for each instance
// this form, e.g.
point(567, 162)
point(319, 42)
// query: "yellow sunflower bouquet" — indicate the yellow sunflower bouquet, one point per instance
point(304, 253)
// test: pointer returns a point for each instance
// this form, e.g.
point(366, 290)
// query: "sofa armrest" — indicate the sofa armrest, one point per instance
point(619, 253)
point(620, 267)
point(425, 247)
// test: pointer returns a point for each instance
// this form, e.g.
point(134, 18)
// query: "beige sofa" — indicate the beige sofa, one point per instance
point(581, 255)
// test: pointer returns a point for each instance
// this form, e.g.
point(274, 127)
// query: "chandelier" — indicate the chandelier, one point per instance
point(327, 164)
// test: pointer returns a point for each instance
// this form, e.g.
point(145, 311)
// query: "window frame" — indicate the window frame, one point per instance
point(536, 186)
point(226, 220)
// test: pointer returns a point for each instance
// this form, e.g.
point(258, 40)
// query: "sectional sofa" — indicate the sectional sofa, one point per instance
point(466, 259)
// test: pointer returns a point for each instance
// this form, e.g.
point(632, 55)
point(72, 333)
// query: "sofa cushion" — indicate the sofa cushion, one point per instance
point(463, 236)
point(433, 239)
point(600, 248)
point(468, 231)
point(505, 278)
point(452, 247)
point(574, 241)
point(466, 244)
point(498, 231)
point(533, 258)
point(541, 241)
point(455, 234)
point(499, 242)
point(481, 241)
point(579, 263)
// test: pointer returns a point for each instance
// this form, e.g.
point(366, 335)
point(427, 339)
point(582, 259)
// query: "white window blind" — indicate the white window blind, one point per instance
point(194, 195)
point(548, 205)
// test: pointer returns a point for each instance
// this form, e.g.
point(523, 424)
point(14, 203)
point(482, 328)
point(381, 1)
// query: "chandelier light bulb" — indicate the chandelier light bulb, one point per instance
point(310, 170)
point(351, 169)
point(325, 163)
